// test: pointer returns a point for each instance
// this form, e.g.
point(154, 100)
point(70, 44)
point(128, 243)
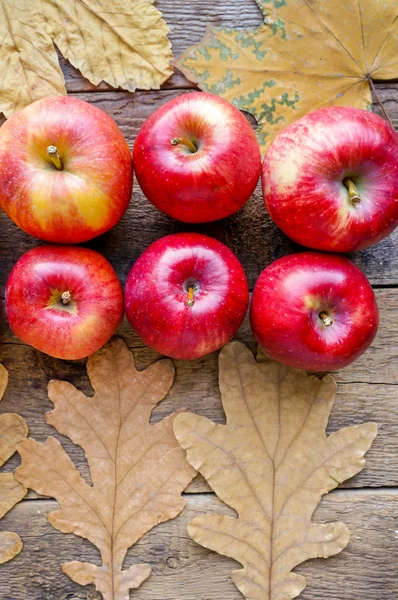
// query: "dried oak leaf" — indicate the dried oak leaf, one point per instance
point(308, 54)
point(271, 463)
point(13, 429)
point(123, 42)
point(138, 470)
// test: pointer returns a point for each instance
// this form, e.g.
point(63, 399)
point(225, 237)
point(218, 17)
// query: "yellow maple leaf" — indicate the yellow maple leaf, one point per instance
point(271, 463)
point(138, 470)
point(308, 54)
point(122, 42)
point(13, 429)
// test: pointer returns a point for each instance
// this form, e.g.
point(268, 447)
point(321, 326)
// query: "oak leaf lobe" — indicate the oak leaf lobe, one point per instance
point(138, 470)
point(13, 429)
point(271, 463)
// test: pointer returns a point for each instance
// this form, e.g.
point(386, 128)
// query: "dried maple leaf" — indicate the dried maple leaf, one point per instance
point(13, 429)
point(309, 53)
point(123, 42)
point(138, 470)
point(271, 463)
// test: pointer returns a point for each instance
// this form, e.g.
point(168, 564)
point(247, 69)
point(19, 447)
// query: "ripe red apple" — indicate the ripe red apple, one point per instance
point(186, 295)
point(314, 311)
point(197, 158)
point(330, 180)
point(64, 301)
point(65, 170)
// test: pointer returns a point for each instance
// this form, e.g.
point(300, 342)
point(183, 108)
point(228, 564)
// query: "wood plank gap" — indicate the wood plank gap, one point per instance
point(338, 492)
point(365, 382)
point(120, 91)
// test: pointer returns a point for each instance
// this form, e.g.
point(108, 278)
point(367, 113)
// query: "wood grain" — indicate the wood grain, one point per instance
point(379, 365)
point(367, 391)
point(181, 568)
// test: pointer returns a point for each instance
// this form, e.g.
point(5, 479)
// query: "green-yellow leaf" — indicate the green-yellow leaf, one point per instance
point(123, 42)
point(308, 54)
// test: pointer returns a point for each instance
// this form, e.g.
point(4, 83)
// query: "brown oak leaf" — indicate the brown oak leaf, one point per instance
point(13, 429)
point(271, 463)
point(123, 42)
point(138, 470)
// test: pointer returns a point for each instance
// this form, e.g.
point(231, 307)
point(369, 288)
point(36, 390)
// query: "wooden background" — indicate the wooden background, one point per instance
point(368, 390)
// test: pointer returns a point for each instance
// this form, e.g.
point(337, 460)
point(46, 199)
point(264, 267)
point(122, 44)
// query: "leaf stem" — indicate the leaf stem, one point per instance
point(373, 88)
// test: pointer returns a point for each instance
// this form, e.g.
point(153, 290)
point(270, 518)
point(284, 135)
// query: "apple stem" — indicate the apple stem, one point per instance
point(190, 145)
point(372, 85)
point(66, 297)
point(190, 298)
point(325, 318)
point(55, 157)
point(353, 193)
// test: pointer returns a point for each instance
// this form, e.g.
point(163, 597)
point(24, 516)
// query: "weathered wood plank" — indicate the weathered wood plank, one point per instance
point(181, 568)
point(379, 364)
point(250, 233)
point(257, 242)
point(359, 398)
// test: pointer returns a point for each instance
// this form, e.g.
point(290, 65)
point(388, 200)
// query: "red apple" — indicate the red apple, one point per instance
point(314, 311)
point(197, 158)
point(65, 170)
point(64, 301)
point(186, 295)
point(330, 180)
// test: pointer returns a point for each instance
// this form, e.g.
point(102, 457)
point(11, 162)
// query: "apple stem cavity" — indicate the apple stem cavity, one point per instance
point(55, 157)
point(66, 297)
point(190, 298)
point(190, 145)
point(353, 193)
point(325, 318)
